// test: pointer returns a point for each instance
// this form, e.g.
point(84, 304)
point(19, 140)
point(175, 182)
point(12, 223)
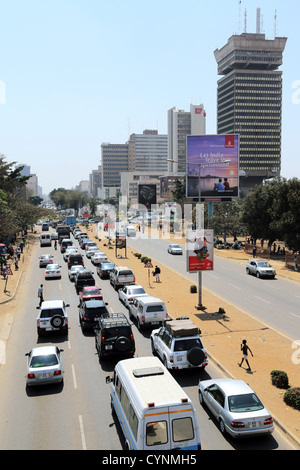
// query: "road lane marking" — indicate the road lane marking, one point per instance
point(294, 314)
point(263, 300)
point(236, 287)
point(82, 433)
point(74, 376)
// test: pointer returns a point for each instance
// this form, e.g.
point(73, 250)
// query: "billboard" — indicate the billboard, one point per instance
point(217, 157)
point(199, 250)
point(147, 195)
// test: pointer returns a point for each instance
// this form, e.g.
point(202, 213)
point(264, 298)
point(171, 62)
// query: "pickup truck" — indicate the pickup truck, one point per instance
point(178, 345)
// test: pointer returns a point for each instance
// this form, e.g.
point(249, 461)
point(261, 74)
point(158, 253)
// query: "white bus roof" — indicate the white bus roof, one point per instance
point(148, 381)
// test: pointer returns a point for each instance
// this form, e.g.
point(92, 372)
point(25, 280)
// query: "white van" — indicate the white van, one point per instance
point(45, 239)
point(154, 412)
point(131, 231)
point(148, 310)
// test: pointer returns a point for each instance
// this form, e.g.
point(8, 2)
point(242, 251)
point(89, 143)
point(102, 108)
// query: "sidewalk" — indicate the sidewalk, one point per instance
point(222, 336)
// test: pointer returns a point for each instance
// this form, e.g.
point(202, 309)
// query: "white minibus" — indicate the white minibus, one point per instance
point(153, 410)
point(45, 239)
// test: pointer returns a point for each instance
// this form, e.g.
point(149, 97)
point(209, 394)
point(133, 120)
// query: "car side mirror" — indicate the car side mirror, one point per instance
point(67, 305)
point(108, 379)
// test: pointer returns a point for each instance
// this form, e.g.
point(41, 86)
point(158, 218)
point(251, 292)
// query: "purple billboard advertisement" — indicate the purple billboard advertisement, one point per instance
point(217, 158)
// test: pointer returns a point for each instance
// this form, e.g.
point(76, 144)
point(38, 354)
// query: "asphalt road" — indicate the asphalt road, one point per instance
point(275, 302)
point(77, 414)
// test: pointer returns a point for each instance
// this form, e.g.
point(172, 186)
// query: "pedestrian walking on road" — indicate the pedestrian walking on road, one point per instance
point(245, 348)
point(16, 261)
point(157, 273)
point(254, 251)
point(41, 294)
point(296, 263)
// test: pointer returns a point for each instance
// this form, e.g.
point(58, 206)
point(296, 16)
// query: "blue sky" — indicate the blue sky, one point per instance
point(77, 73)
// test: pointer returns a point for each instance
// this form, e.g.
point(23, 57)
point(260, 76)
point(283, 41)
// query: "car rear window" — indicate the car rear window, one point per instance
point(155, 308)
point(44, 361)
point(116, 332)
point(97, 312)
point(50, 312)
point(126, 272)
point(186, 344)
point(92, 292)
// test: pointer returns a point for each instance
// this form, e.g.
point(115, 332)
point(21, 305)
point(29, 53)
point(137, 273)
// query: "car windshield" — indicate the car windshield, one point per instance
point(107, 266)
point(263, 264)
point(44, 360)
point(53, 266)
point(244, 403)
point(186, 344)
point(50, 312)
point(176, 246)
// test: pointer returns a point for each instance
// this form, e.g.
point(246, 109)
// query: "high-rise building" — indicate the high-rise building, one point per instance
point(180, 124)
point(249, 102)
point(114, 159)
point(148, 151)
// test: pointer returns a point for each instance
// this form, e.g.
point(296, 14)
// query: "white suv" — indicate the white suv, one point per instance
point(52, 317)
point(178, 345)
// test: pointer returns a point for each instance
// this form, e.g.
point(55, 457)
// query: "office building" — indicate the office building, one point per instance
point(249, 102)
point(114, 160)
point(180, 124)
point(148, 151)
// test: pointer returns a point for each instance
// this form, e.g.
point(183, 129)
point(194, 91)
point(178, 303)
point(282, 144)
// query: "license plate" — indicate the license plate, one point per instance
point(252, 424)
point(44, 376)
point(109, 346)
point(155, 322)
point(97, 318)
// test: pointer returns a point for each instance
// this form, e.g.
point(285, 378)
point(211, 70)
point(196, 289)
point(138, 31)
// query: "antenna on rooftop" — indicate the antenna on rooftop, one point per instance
point(258, 22)
point(275, 24)
point(240, 6)
point(245, 21)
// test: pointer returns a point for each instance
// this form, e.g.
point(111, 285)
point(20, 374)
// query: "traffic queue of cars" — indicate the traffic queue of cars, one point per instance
point(176, 342)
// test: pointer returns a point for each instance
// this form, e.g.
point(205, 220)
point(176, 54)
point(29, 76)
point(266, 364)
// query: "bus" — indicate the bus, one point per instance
point(154, 412)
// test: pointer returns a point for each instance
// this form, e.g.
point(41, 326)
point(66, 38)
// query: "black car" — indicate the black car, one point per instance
point(114, 337)
point(91, 312)
point(104, 269)
point(84, 278)
point(75, 259)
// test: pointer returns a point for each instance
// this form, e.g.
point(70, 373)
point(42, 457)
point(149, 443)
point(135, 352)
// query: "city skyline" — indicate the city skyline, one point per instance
point(76, 75)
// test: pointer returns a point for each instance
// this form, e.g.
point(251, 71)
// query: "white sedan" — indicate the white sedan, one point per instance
point(74, 270)
point(99, 257)
point(44, 366)
point(52, 271)
point(91, 250)
point(236, 407)
point(175, 249)
point(128, 293)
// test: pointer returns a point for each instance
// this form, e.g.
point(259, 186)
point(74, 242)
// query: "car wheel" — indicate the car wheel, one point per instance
point(247, 270)
point(222, 427)
point(56, 321)
point(195, 356)
point(153, 348)
point(201, 401)
point(257, 275)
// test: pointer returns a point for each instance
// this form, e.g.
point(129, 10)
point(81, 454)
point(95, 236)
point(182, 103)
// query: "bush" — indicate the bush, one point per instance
point(292, 397)
point(193, 289)
point(279, 379)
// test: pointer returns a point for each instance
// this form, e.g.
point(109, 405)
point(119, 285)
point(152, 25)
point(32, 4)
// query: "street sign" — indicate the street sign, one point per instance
point(8, 271)
point(148, 265)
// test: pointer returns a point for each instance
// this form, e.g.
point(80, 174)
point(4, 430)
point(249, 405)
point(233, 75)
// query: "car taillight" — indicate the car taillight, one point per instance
point(134, 278)
point(117, 279)
point(131, 337)
point(237, 424)
point(57, 372)
point(130, 300)
point(268, 421)
point(143, 318)
point(102, 339)
point(30, 376)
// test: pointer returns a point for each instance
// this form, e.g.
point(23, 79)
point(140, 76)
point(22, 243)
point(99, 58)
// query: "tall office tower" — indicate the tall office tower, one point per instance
point(114, 158)
point(148, 151)
point(180, 124)
point(249, 102)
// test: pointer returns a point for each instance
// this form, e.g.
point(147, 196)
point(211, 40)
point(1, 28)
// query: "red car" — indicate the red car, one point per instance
point(90, 293)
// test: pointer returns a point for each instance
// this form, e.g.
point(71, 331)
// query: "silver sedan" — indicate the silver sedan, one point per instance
point(260, 268)
point(175, 249)
point(44, 366)
point(74, 270)
point(127, 294)
point(237, 408)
